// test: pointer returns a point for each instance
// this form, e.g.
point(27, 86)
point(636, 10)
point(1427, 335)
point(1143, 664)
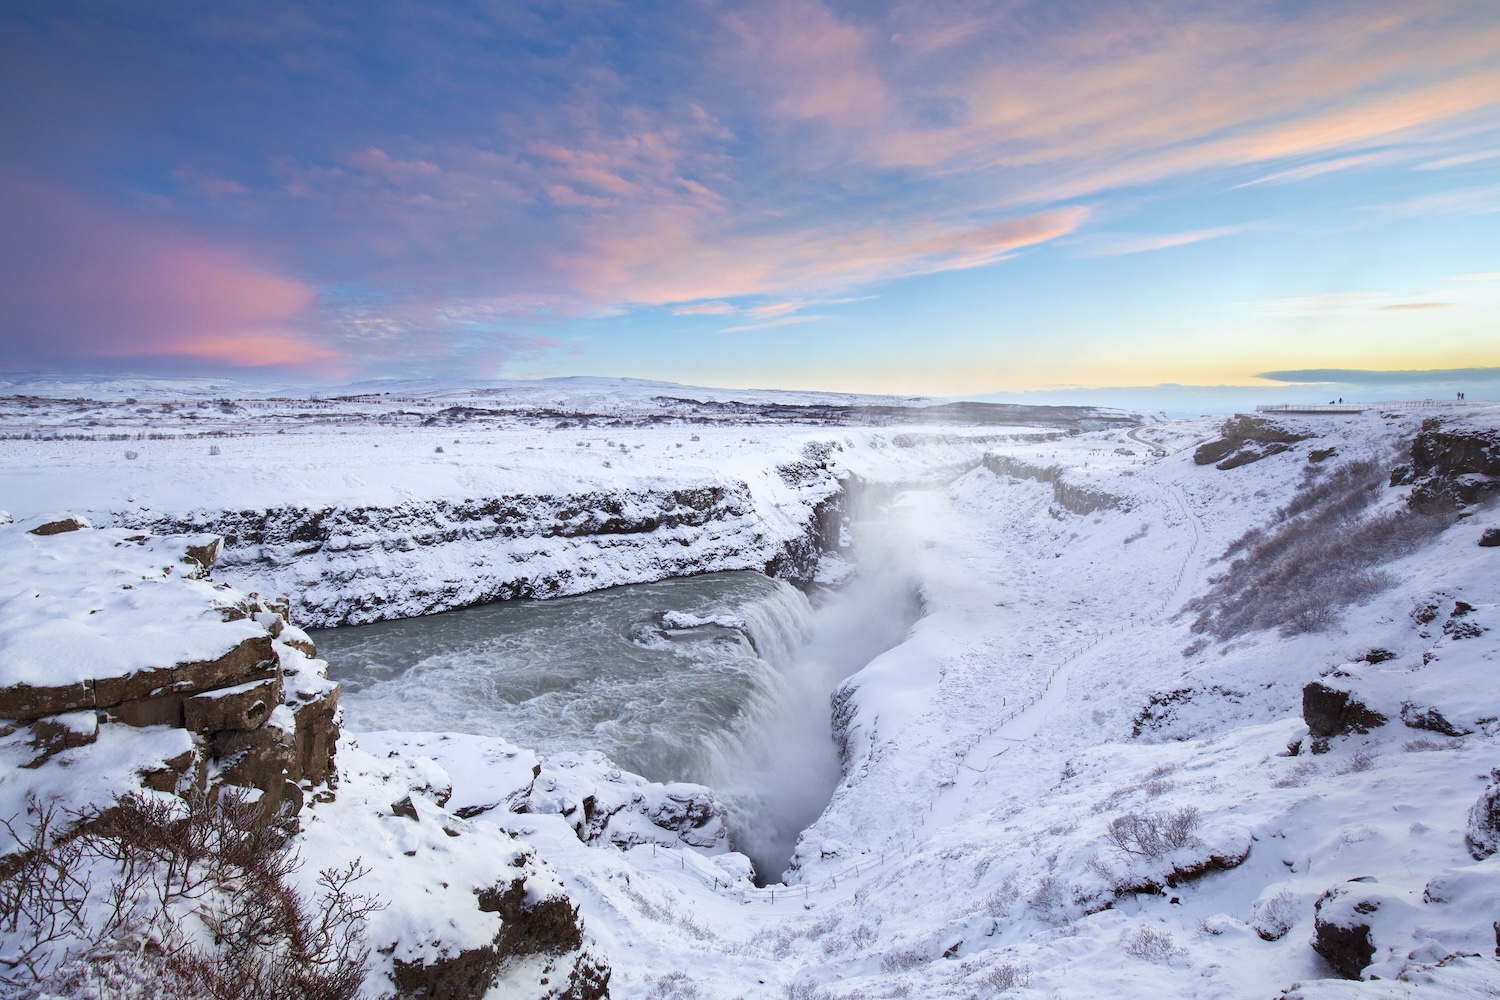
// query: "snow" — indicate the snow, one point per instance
point(1052, 688)
point(96, 603)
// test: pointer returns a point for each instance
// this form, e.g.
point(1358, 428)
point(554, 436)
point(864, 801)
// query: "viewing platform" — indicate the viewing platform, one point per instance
point(1410, 404)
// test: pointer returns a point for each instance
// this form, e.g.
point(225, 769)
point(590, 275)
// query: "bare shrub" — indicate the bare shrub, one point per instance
point(1149, 943)
point(902, 961)
point(1273, 917)
point(1425, 745)
point(214, 449)
point(131, 456)
point(1360, 760)
point(166, 867)
point(1320, 554)
point(1005, 977)
point(1003, 897)
point(1048, 894)
point(44, 892)
point(1153, 835)
point(673, 986)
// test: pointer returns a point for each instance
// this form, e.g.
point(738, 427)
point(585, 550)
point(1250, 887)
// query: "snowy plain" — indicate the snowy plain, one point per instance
point(1052, 685)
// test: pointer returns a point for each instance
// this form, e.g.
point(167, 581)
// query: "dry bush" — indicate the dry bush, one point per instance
point(1273, 917)
point(44, 893)
point(902, 961)
point(673, 986)
point(1006, 977)
point(122, 898)
point(1004, 896)
point(1320, 554)
point(1153, 835)
point(1150, 944)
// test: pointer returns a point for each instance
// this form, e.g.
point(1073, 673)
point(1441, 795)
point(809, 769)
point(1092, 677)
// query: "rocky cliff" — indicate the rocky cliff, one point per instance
point(352, 564)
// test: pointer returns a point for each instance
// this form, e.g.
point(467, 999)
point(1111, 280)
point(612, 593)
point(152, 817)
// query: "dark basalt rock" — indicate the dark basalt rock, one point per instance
point(1331, 711)
point(1248, 439)
point(1345, 944)
point(1429, 719)
point(1452, 469)
point(546, 926)
point(58, 527)
point(1483, 835)
point(1490, 539)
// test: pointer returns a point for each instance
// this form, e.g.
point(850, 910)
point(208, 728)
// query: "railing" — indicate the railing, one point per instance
point(1407, 404)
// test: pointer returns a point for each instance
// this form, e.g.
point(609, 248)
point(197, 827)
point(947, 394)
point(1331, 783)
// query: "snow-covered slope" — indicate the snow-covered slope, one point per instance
point(1163, 726)
point(385, 506)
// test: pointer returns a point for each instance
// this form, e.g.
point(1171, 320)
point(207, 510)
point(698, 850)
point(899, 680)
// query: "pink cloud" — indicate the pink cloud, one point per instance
point(82, 281)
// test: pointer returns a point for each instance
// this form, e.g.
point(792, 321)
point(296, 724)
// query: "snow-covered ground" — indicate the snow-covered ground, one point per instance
point(1054, 786)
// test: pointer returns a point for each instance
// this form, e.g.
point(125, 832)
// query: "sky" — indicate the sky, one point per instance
point(951, 198)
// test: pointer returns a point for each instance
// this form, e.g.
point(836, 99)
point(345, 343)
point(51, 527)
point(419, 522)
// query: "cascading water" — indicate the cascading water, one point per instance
point(653, 675)
point(722, 679)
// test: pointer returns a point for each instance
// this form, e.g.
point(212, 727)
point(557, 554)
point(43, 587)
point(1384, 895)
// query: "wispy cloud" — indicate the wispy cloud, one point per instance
point(774, 322)
point(1364, 303)
point(703, 309)
point(1109, 245)
point(1460, 160)
point(1310, 170)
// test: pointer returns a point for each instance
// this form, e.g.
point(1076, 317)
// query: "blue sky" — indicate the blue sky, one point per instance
point(952, 198)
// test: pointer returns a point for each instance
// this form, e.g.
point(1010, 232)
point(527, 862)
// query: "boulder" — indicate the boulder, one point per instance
point(1483, 834)
point(1341, 932)
point(258, 758)
point(176, 774)
point(63, 524)
point(1330, 710)
point(205, 551)
point(1360, 924)
point(1490, 538)
point(1430, 719)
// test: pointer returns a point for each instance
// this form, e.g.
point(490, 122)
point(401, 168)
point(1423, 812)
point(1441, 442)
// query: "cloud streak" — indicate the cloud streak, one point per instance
point(1113, 246)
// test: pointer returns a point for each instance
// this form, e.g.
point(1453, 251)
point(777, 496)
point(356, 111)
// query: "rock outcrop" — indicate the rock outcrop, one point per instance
point(113, 630)
point(1331, 709)
point(1070, 496)
point(124, 668)
point(541, 925)
point(1451, 467)
point(1483, 834)
point(1245, 439)
point(373, 563)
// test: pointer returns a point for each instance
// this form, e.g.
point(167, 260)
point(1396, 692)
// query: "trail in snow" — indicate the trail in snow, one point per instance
point(1028, 721)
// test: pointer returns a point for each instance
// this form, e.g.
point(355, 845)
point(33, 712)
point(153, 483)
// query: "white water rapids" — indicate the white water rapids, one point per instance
point(722, 679)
